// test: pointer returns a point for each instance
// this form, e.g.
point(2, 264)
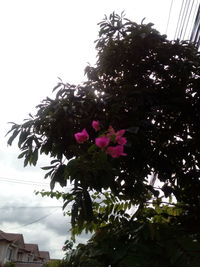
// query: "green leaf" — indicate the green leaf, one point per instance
point(34, 157)
point(13, 136)
point(48, 167)
point(48, 174)
point(22, 138)
point(22, 154)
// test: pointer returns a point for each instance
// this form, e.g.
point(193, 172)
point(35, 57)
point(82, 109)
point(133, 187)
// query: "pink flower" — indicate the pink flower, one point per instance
point(121, 140)
point(102, 141)
point(95, 125)
point(116, 151)
point(120, 132)
point(81, 137)
point(111, 130)
point(112, 133)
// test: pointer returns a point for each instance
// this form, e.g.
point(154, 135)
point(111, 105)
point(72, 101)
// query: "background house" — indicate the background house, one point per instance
point(13, 249)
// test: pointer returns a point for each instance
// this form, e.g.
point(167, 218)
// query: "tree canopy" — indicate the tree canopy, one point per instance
point(143, 203)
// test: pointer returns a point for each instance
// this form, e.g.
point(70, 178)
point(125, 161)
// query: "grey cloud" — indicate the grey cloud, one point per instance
point(9, 159)
point(50, 232)
point(52, 218)
point(58, 223)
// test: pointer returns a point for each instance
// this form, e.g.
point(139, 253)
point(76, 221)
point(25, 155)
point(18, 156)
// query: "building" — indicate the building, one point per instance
point(13, 249)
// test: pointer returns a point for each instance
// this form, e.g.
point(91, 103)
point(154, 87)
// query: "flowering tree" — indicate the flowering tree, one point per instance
point(103, 141)
point(130, 135)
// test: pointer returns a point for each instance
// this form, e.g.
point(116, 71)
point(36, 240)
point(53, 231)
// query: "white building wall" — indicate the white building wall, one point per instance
point(14, 253)
point(3, 251)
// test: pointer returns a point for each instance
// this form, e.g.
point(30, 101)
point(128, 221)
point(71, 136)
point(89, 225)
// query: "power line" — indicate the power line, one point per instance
point(170, 10)
point(193, 19)
point(40, 219)
point(196, 28)
point(35, 221)
point(188, 24)
point(24, 183)
point(183, 20)
point(19, 181)
point(191, 7)
point(179, 17)
point(30, 207)
point(14, 179)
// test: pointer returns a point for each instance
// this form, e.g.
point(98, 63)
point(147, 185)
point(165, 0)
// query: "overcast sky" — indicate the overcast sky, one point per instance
point(40, 41)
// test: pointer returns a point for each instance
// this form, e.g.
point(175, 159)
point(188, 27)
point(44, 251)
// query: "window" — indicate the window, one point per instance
point(20, 256)
point(30, 257)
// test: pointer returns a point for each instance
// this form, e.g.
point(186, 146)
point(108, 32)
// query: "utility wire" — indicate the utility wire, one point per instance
point(195, 30)
point(30, 207)
point(188, 18)
point(19, 181)
point(193, 19)
point(170, 10)
point(179, 17)
point(14, 179)
point(35, 221)
point(40, 219)
point(183, 20)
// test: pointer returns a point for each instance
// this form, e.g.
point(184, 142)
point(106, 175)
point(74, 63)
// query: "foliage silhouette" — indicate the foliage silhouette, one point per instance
point(149, 86)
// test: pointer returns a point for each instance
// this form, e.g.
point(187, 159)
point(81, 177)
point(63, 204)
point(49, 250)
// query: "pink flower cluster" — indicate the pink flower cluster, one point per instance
point(81, 137)
point(105, 140)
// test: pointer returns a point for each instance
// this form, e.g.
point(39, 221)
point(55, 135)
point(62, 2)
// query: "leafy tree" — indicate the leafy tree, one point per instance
point(52, 263)
point(144, 207)
point(9, 264)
